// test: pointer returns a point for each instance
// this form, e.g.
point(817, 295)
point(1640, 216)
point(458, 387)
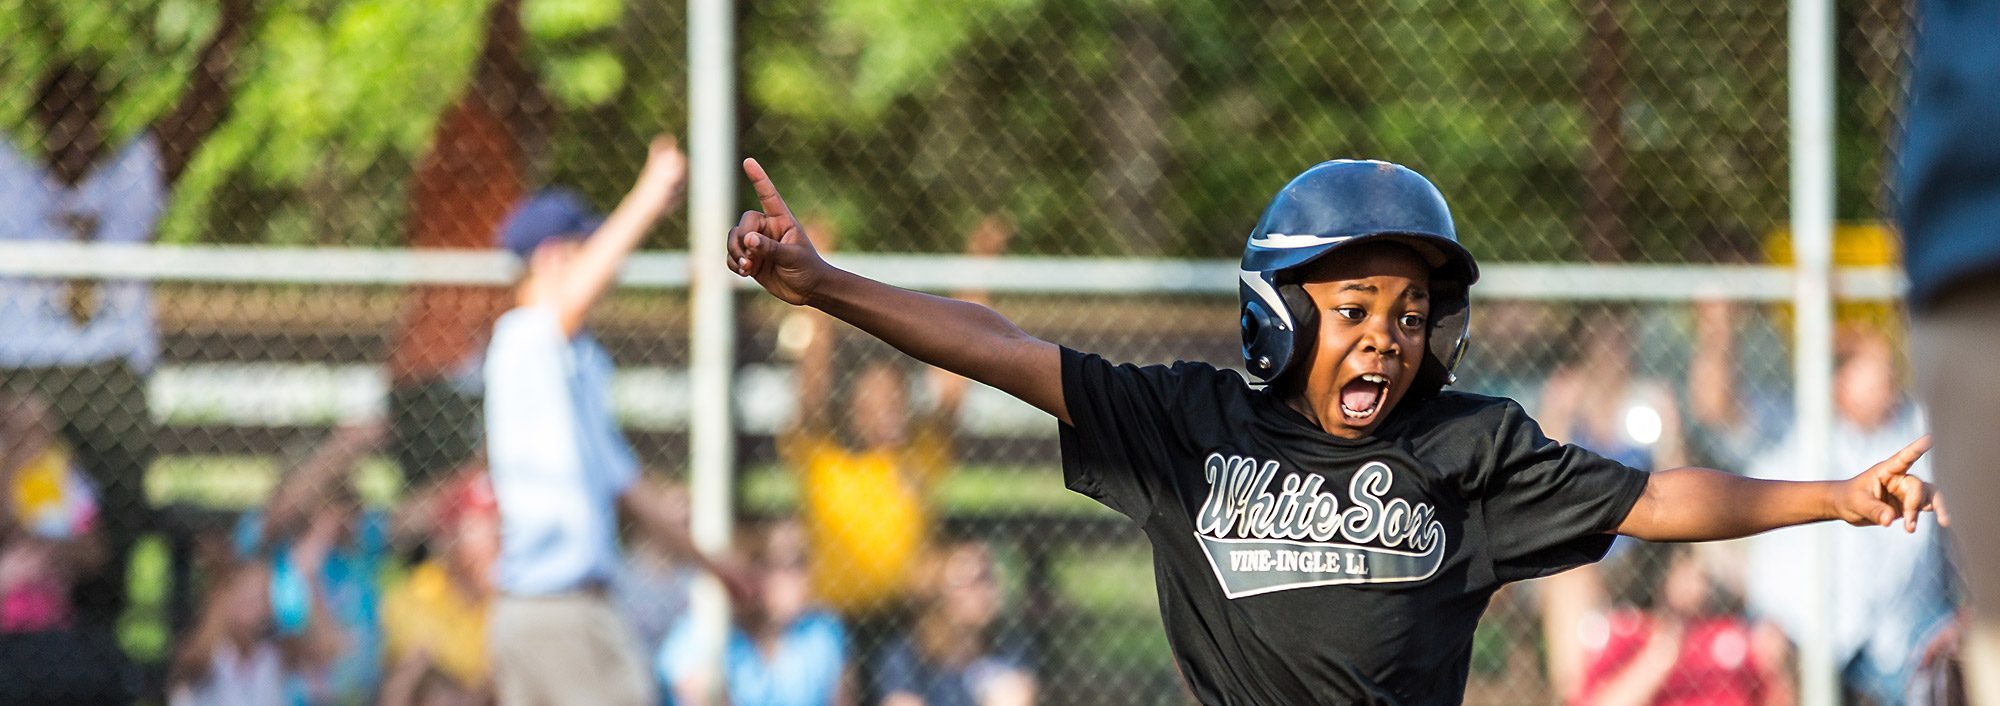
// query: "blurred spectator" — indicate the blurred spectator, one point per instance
point(655, 581)
point(316, 502)
point(234, 658)
point(560, 467)
point(48, 520)
point(463, 188)
point(434, 622)
point(1894, 592)
point(48, 542)
point(866, 468)
point(1596, 402)
point(83, 345)
point(953, 656)
point(1679, 647)
point(779, 651)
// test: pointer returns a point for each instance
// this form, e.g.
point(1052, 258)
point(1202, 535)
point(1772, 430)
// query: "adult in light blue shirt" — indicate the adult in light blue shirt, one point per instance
point(560, 468)
point(559, 464)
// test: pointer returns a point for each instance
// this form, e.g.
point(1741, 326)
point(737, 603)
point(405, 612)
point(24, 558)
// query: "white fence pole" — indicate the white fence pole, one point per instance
point(711, 198)
point(1811, 98)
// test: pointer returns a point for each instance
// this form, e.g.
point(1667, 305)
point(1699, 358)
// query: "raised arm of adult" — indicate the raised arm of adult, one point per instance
point(771, 247)
point(656, 193)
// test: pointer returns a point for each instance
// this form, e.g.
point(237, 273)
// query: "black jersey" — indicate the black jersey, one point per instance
point(1296, 567)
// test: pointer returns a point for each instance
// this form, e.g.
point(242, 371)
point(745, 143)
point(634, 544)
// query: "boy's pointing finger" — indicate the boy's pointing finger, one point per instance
point(767, 192)
point(1916, 450)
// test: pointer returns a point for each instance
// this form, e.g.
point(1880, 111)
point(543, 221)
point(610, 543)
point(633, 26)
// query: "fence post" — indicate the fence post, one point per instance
point(711, 197)
point(1811, 107)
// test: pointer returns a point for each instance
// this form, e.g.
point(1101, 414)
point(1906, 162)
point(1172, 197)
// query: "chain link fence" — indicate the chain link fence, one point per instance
point(174, 441)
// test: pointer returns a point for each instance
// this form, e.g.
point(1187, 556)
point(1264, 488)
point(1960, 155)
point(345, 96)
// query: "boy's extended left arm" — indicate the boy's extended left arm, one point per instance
point(962, 337)
point(1700, 504)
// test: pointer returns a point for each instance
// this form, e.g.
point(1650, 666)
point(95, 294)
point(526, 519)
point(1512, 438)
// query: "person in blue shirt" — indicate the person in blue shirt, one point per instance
point(955, 655)
point(781, 650)
point(315, 505)
point(560, 468)
point(1948, 200)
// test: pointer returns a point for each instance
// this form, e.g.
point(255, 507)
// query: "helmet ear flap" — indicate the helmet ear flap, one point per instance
point(1305, 337)
point(1277, 324)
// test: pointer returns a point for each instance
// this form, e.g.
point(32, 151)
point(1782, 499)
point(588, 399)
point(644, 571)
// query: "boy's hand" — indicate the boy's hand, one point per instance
point(664, 178)
point(1887, 490)
point(770, 246)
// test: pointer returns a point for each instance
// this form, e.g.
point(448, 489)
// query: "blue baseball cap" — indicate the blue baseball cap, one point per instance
point(550, 213)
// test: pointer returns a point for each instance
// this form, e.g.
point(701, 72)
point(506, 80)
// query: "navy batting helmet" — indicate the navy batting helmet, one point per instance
point(1333, 205)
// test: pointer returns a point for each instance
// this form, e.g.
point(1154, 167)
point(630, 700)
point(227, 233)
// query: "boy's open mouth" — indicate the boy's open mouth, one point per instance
point(1362, 397)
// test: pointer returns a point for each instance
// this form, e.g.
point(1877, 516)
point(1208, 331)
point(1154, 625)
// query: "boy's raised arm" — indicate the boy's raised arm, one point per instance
point(962, 337)
point(1698, 504)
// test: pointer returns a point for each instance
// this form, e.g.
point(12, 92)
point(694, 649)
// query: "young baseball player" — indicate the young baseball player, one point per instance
point(1331, 536)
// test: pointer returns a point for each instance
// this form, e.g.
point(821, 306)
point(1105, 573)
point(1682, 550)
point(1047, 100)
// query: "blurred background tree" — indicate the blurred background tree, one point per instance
point(1101, 126)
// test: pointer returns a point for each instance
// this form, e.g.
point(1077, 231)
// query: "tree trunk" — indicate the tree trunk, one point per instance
point(1133, 125)
point(1606, 238)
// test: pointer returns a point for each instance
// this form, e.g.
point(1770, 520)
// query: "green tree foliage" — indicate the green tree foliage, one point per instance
point(335, 98)
point(1100, 126)
point(914, 118)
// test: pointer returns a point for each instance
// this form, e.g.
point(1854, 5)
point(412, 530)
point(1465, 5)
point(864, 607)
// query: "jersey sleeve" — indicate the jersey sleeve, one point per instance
point(1547, 506)
point(1126, 422)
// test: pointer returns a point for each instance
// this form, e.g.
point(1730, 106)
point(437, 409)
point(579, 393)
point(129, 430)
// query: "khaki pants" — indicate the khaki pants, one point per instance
point(1957, 360)
point(565, 649)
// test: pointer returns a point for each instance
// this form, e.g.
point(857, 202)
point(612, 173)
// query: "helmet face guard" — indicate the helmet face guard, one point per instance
point(1330, 206)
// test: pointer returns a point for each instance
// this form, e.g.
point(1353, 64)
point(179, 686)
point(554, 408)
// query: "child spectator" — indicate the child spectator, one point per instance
point(1678, 648)
point(49, 542)
point(231, 658)
point(234, 657)
point(48, 520)
point(434, 622)
point(780, 651)
point(952, 657)
point(317, 501)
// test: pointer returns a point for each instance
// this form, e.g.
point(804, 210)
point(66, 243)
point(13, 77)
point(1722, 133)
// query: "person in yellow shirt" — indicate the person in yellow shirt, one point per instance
point(866, 467)
point(434, 623)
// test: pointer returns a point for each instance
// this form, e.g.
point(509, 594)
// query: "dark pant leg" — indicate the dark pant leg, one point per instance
point(65, 668)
